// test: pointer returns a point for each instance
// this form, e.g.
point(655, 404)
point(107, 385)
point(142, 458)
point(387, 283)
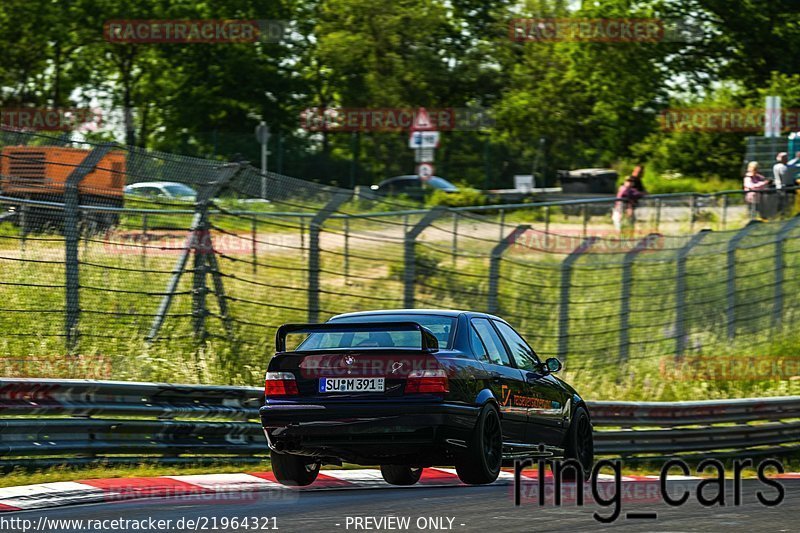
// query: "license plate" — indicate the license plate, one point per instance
point(351, 384)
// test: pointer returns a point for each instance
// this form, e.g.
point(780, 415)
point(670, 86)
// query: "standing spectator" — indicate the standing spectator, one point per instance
point(780, 175)
point(637, 175)
point(754, 184)
point(628, 195)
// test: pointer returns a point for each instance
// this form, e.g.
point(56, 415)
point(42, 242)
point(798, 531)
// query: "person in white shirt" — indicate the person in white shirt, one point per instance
point(780, 174)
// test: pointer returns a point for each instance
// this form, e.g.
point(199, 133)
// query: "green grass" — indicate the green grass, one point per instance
point(119, 300)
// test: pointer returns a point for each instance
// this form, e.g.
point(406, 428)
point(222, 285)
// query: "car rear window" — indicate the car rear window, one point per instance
point(441, 326)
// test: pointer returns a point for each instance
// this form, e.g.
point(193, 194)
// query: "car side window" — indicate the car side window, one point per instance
point(477, 345)
point(523, 354)
point(496, 352)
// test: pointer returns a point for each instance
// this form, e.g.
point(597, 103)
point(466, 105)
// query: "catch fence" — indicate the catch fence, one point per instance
point(179, 289)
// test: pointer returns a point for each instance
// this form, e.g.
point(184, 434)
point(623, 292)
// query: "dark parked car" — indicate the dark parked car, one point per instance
point(409, 389)
point(413, 186)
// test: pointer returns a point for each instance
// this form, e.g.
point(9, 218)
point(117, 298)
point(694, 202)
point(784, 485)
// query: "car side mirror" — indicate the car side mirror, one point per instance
point(552, 364)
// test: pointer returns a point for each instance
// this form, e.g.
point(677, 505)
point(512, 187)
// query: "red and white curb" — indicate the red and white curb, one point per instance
point(46, 495)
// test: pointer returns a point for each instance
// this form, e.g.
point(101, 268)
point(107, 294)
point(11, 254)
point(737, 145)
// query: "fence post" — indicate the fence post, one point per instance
point(204, 196)
point(563, 302)
point(254, 244)
point(733, 244)
point(680, 291)
point(201, 244)
point(724, 211)
point(546, 226)
point(145, 240)
point(314, 229)
point(409, 257)
point(454, 245)
point(346, 249)
point(72, 238)
point(502, 223)
point(625, 295)
point(658, 213)
point(585, 215)
point(780, 264)
point(494, 264)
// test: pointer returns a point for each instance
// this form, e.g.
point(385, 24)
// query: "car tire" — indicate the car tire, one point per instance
point(293, 470)
point(579, 442)
point(400, 475)
point(480, 464)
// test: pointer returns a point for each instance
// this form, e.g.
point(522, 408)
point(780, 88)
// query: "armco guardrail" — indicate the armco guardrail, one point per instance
point(74, 421)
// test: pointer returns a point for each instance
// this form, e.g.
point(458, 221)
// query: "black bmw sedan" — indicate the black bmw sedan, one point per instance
point(409, 389)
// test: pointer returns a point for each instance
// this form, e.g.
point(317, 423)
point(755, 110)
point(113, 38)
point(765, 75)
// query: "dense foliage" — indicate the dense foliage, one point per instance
point(555, 104)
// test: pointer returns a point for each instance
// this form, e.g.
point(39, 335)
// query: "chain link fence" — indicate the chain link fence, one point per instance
point(157, 282)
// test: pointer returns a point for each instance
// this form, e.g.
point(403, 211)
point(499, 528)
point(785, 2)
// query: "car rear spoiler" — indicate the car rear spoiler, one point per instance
point(429, 342)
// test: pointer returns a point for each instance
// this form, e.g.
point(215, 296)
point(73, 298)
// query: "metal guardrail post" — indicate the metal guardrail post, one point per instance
point(502, 223)
point(680, 291)
point(780, 265)
point(199, 221)
point(563, 304)
point(625, 296)
point(733, 244)
point(314, 230)
point(494, 265)
point(409, 256)
point(72, 238)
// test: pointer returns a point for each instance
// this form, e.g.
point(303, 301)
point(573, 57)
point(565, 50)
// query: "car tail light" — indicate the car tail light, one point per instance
point(427, 381)
point(280, 384)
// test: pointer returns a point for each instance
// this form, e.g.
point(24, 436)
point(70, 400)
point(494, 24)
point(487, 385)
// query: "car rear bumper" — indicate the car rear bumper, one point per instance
point(359, 432)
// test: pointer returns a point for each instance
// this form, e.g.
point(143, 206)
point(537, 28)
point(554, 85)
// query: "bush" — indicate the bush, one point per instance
point(465, 197)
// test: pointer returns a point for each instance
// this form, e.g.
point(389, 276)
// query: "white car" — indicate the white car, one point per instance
point(169, 190)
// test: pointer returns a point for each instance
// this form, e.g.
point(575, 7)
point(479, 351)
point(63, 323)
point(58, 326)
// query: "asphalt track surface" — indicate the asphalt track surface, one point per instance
point(487, 508)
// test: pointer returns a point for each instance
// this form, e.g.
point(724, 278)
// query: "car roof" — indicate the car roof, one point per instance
point(441, 312)
point(155, 183)
point(405, 177)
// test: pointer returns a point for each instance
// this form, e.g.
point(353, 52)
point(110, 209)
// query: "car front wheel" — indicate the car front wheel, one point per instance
point(480, 464)
point(293, 470)
point(579, 443)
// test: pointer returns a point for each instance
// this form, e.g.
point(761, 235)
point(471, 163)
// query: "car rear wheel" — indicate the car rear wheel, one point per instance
point(579, 444)
point(480, 464)
point(293, 470)
point(400, 475)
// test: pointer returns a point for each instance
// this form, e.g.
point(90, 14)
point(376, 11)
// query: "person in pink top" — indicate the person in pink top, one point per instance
point(754, 184)
point(628, 196)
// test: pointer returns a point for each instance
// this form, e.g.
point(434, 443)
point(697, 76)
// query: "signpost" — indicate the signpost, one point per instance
point(262, 135)
point(423, 140)
point(425, 171)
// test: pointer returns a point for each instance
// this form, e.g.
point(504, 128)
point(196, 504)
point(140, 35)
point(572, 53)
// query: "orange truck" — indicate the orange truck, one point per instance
point(40, 173)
